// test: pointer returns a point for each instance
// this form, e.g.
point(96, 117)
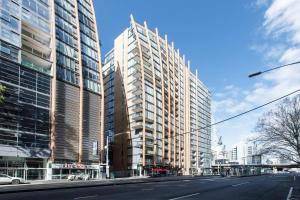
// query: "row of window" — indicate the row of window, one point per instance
point(65, 25)
point(11, 7)
point(66, 49)
point(66, 5)
point(66, 37)
point(66, 62)
point(35, 21)
point(67, 75)
point(37, 8)
point(9, 51)
point(88, 41)
point(89, 52)
point(64, 14)
point(9, 36)
point(9, 21)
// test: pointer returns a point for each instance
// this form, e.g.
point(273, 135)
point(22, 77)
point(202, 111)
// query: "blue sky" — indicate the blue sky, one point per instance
point(225, 41)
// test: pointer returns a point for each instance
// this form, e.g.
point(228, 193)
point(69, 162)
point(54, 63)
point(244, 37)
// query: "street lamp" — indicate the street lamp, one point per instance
point(110, 133)
point(261, 72)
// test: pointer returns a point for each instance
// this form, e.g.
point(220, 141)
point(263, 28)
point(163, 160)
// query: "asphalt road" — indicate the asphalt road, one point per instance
point(270, 187)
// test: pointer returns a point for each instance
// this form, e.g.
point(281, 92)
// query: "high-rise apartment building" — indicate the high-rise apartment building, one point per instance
point(155, 108)
point(77, 99)
point(51, 121)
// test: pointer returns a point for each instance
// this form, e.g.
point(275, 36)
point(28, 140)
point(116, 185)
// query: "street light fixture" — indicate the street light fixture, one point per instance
point(261, 72)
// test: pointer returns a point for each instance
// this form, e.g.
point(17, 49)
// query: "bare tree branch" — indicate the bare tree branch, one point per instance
point(279, 130)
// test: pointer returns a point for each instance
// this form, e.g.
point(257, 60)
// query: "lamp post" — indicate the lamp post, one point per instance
point(274, 68)
point(107, 160)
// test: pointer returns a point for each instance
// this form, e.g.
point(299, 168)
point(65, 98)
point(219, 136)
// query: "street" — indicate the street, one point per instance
point(257, 187)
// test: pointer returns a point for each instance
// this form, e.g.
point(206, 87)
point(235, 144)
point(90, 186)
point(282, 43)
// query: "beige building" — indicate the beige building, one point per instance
point(155, 107)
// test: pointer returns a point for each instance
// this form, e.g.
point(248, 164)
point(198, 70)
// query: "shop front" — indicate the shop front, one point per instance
point(26, 168)
point(62, 171)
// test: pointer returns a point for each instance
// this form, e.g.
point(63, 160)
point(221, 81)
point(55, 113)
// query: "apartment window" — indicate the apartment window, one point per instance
point(149, 89)
point(149, 98)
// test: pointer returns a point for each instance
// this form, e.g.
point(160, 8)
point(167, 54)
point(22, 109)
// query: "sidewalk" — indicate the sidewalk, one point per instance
point(38, 182)
point(55, 185)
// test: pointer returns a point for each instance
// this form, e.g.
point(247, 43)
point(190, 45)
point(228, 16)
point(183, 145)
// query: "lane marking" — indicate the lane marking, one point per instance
point(290, 194)
point(86, 197)
point(240, 184)
point(182, 197)
point(186, 180)
point(147, 189)
point(294, 178)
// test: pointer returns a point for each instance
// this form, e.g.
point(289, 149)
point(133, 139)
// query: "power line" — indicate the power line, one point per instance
point(232, 117)
point(240, 114)
point(248, 111)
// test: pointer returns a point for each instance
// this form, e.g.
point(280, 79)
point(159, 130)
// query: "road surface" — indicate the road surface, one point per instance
point(269, 187)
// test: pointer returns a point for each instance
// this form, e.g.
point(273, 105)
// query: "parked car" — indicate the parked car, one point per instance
point(5, 179)
point(81, 176)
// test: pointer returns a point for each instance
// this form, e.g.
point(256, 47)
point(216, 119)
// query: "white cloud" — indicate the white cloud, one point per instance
point(282, 25)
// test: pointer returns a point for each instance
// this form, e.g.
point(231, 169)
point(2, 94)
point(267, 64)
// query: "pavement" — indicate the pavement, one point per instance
point(267, 187)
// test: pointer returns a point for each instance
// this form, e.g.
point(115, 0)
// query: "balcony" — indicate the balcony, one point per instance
point(137, 91)
point(41, 43)
point(137, 108)
point(149, 136)
point(137, 125)
point(137, 116)
point(36, 63)
point(137, 73)
point(137, 99)
point(149, 152)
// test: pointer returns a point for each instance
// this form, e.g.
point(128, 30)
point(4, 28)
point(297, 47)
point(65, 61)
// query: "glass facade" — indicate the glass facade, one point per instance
point(27, 45)
point(25, 113)
point(67, 68)
point(25, 70)
point(89, 47)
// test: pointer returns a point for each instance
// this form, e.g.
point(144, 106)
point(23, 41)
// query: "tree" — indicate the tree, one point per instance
point(2, 90)
point(278, 130)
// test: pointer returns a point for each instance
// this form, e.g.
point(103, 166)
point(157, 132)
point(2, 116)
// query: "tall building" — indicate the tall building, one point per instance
point(154, 106)
point(25, 71)
point(77, 97)
point(51, 121)
point(234, 153)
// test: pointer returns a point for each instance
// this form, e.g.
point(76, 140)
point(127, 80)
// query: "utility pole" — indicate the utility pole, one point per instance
point(107, 160)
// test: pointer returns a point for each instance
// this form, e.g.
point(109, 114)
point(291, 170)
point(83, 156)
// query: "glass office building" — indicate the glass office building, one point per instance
point(51, 121)
point(150, 83)
point(25, 71)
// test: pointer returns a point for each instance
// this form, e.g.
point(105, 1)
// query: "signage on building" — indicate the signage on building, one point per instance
point(73, 166)
point(95, 148)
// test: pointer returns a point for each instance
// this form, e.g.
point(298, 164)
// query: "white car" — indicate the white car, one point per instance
point(81, 176)
point(5, 179)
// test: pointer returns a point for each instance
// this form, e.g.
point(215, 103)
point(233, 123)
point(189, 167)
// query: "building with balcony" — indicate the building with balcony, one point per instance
point(156, 109)
point(51, 121)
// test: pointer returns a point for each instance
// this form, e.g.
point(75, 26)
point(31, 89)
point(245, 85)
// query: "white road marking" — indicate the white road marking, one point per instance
point(294, 178)
point(290, 194)
point(186, 180)
point(147, 189)
point(86, 197)
point(182, 197)
point(240, 184)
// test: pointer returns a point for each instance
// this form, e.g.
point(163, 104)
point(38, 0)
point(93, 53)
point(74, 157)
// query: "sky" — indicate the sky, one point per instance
point(225, 41)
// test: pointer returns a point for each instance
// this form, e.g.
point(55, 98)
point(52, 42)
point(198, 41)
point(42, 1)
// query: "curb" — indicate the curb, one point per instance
point(89, 184)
